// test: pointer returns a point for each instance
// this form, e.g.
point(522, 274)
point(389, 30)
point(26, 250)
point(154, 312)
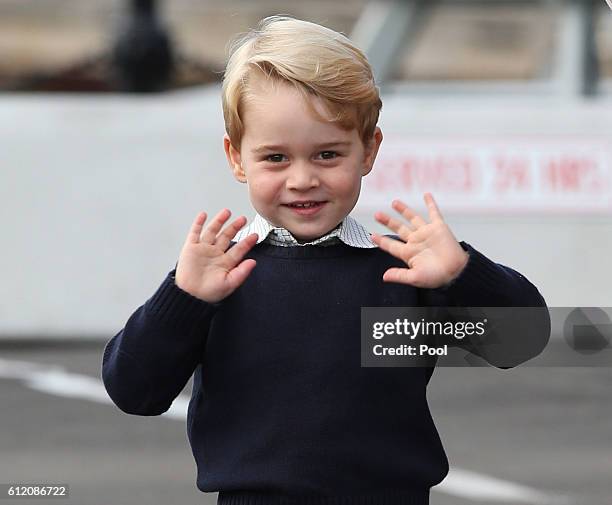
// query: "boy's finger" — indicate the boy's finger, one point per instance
point(229, 232)
point(196, 228)
point(402, 229)
point(402, 276)
point(408, 213)
point(236, 253)
point(434, 211)
point(401, 250)
point(210, 232)
point(239, 274)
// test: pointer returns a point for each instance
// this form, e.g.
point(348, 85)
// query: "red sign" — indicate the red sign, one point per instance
point(509, 174)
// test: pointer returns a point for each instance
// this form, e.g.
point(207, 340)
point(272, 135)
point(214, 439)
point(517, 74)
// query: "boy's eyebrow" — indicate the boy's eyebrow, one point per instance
point(262, 148)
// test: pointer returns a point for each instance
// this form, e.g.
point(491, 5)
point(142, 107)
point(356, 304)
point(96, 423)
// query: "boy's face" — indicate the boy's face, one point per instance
point(287, 157)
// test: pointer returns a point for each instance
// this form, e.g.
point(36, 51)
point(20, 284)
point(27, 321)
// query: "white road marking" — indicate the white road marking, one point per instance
point(55, 380)
point(477, 486)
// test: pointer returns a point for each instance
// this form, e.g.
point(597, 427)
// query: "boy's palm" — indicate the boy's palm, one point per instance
point(206, 268)
point(433, 255)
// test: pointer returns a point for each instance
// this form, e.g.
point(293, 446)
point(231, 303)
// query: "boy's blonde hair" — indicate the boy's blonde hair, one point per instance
point(316, 60)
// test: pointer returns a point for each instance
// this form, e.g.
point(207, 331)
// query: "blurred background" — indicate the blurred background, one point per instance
point(111, 142)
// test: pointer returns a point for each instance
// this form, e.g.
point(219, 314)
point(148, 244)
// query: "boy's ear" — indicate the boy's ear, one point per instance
point(371, 150)
point(234, 159)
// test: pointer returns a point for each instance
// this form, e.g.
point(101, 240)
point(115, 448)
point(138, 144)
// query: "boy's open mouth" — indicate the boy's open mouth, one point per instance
point(305, 204)
point(305, 207)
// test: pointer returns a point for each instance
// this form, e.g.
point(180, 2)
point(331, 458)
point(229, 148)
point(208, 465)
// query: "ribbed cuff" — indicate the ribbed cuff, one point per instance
point(479, 277)
point(420, 497)
point(173, 305)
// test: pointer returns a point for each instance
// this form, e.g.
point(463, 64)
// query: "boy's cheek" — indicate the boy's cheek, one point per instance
point(261, 187)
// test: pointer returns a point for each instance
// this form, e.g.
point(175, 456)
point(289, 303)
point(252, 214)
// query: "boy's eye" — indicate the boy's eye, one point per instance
point(275, 156)
point(333, 153)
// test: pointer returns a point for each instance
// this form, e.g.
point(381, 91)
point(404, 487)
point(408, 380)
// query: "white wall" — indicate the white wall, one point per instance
point(98, 192)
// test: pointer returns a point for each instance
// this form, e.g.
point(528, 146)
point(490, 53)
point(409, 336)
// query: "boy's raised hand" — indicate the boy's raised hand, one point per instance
point(205, 269)
point(433, 255)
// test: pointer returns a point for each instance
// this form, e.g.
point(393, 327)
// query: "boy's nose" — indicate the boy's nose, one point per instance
point(302, 177)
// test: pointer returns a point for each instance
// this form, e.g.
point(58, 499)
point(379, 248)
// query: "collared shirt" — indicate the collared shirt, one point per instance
point(349, 231)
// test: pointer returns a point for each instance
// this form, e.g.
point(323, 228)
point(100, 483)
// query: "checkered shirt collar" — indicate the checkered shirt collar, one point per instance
point(349, 231)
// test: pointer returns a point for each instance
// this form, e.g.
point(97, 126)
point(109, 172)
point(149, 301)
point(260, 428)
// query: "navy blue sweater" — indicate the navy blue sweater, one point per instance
point(281, 410)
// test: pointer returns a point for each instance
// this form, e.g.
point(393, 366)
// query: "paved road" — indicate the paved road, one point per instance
point(545, 429)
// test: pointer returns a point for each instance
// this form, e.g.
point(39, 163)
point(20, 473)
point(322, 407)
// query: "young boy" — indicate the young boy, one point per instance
point(267, 318)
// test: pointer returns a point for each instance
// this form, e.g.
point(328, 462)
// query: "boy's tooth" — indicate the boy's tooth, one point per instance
point(304, 205)
point(310, 204)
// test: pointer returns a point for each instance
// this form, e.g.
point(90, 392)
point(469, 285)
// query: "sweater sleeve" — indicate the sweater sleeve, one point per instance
point(522, 323)
point(147, 364)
